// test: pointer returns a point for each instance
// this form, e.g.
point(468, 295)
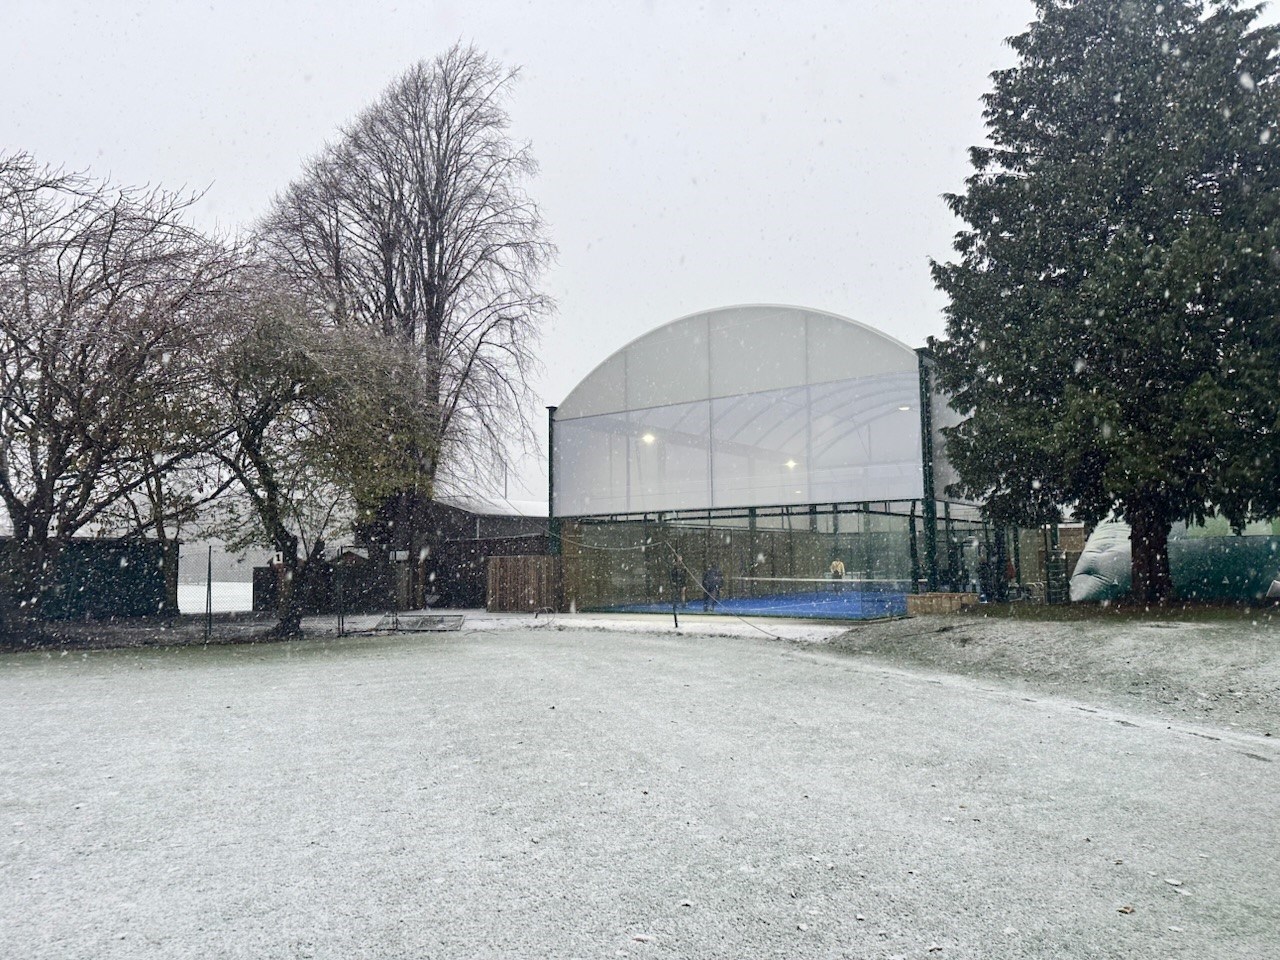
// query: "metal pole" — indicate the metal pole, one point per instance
point(208, 599)
point(1000, 565)
point(913, 549)
point(1017, 558)
point(339, 576)
point(929, 506)
point(676, 564)
point(955, 552)
point(553, 525)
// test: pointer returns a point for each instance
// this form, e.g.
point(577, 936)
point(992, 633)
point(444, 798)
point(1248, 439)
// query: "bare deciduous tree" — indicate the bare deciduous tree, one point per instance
point(105, 309)
point(415, 223)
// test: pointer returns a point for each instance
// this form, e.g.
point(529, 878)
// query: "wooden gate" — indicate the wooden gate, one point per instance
point(523, 584)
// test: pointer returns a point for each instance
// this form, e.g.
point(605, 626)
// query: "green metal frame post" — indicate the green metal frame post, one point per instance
point(553, 525)
point(1017, 557)
point(928, 505)
point(913, 549)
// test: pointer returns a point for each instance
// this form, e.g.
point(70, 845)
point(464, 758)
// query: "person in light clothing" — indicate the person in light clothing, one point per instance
point(837, 573)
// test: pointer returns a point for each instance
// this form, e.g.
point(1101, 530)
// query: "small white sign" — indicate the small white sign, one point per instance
point(399, 556)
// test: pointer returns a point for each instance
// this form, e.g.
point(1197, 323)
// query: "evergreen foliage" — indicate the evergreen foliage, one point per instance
point(315, 413)
point(1112, 331)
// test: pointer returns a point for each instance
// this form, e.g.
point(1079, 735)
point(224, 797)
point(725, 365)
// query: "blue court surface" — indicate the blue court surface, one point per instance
point(813, 604)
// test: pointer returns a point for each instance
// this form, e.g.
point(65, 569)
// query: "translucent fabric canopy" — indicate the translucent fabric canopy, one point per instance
point(745, 406)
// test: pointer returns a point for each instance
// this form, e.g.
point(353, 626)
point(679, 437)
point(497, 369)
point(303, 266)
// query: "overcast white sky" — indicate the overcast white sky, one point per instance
point(693, 154)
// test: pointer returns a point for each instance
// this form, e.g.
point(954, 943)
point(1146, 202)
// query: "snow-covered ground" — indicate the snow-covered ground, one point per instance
point(577, 790)
point(228, 597)
point(1222, 669)
point(691, 625)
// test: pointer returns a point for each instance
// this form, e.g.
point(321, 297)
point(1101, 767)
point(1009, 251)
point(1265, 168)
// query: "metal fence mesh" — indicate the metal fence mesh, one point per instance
point(214, 579)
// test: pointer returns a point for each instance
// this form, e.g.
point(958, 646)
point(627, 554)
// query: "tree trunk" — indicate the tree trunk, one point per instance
point(1149, 549)
point(289, 592)
point(409, 512)
point(296, 589)
point(169, 566)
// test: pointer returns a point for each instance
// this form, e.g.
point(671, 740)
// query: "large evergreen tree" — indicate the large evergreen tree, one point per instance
point(1112, 332)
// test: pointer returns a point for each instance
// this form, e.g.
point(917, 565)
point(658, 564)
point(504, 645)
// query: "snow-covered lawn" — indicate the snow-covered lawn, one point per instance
point(567, 792)
point(228, 597)
point(1213, 667)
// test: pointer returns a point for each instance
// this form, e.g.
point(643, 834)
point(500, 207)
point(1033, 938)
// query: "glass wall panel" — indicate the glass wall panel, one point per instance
point(777, 565)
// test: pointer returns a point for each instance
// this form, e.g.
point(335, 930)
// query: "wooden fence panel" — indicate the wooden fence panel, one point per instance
point(523, 584)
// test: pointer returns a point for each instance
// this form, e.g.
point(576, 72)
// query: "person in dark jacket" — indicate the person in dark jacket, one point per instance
point(712, 581)
point(679, 582)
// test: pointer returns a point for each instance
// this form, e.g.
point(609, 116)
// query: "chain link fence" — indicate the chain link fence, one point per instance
point(214, 579)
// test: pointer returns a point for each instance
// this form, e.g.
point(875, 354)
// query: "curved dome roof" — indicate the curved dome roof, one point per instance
point(730, 351)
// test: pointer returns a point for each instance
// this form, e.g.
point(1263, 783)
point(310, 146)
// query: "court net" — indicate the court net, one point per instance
point(850, 598)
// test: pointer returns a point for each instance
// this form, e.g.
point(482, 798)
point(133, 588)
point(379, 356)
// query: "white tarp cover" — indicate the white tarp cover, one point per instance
point(1206, 562)
point(740, 407)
